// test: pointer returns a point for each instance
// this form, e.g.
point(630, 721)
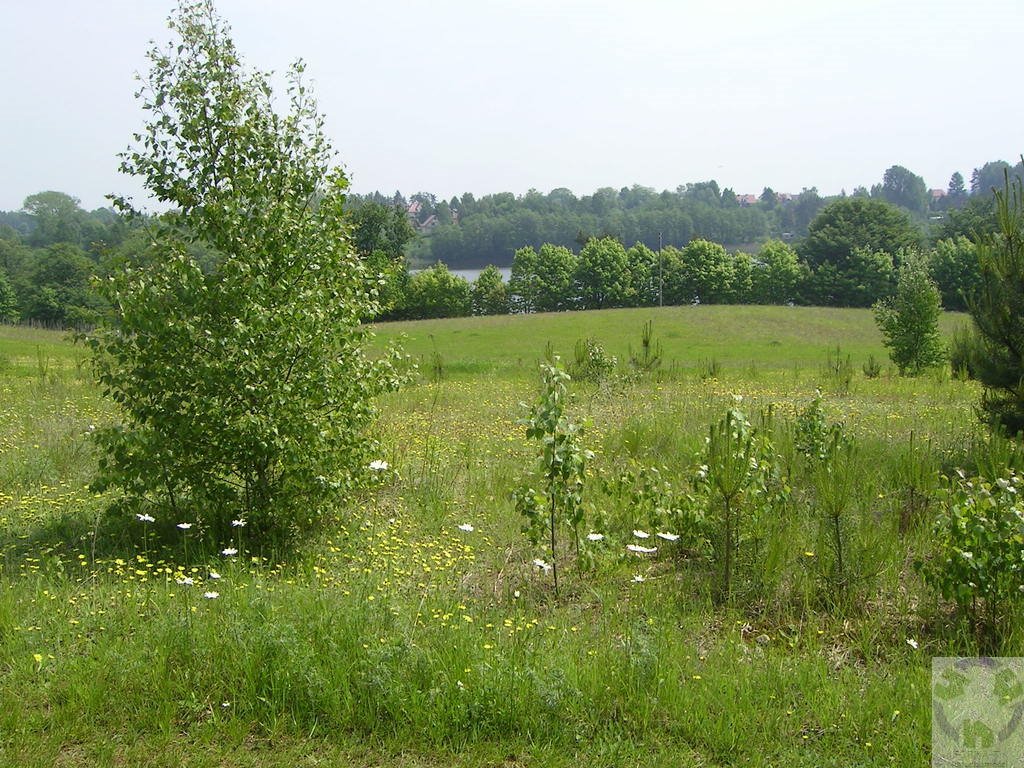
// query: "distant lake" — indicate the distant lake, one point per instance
point(472, 274)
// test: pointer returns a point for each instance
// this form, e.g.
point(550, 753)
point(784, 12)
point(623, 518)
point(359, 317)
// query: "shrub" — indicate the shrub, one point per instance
point(489, 293)
point(243, 390)
point(872, 368)
point(561, 465)
point(909, 320)
point(739, 476)
point(837, 371)
point(649, 356)
point(435, 292)
point(591, 362)
point(978, 558)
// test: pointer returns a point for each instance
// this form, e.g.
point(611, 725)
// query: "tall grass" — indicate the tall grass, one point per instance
point(390, 636)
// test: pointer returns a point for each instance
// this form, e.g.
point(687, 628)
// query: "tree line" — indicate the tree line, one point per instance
point(49, 252)
point(851, 257)
point(848, 255)
point(471, 232)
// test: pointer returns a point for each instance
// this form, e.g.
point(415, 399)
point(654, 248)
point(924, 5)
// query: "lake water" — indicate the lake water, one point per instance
point(473, 274)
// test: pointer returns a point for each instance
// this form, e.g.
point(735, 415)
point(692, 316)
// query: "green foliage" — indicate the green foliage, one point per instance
point(556, 269)
point(522, 283)
point(490, 228)
point(381, 228)
point(954, 267)
point(602, 274)
point(862, 279)
point(978, 550)
point(998, 312)
point(651, 499)
point(814, 436)
point(964, 348)
point(543, 282)
point(851, 223)
point(909, 320)
point(872, 368)
point(777, 274)
point(740, 476)
point(435, 292)
point(743, 269)
point(649, 356)
point(388, 280)
point(380, 234)
point(561, 466)
point(243, 391)
point(645, 275)
point(701, 271)
point(49, 218)
point(976, 218)
point(903, 188)
point(590, 361)
point(8, 300)
point(489, 293)
point(837, 371)
point(57, 290)
point(835, 485)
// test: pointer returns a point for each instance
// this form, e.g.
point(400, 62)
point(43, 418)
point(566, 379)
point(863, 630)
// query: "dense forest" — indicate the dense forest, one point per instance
point(634, 247)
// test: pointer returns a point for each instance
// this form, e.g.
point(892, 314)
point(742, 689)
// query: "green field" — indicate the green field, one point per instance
point(390, 636)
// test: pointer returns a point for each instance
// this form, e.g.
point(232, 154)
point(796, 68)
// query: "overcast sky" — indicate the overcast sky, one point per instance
point(450, 96)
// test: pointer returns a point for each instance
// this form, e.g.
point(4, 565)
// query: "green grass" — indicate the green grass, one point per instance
point(767, 338)
point(391, 637)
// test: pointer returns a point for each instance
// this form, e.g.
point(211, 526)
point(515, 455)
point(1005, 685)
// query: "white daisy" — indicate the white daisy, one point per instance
point(641, 550)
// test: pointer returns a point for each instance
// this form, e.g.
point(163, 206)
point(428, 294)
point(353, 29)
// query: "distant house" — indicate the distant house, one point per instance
point(747, 200)
point(428, 224)
point(936, 194)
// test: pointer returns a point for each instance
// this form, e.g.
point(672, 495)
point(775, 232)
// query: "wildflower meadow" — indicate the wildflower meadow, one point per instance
point(755, 539)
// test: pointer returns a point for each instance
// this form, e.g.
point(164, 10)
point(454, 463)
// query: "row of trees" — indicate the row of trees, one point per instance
point(604, 274)
point(470, 232)
point(851, 257)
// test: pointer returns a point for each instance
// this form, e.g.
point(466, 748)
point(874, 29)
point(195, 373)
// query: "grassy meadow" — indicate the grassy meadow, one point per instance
point(412, 627)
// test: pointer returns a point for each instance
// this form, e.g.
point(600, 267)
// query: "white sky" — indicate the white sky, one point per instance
point(450, 96)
